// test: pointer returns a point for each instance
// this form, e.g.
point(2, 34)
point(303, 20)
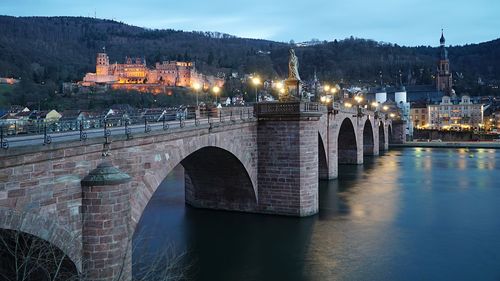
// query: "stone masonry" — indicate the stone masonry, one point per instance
point(269, 164)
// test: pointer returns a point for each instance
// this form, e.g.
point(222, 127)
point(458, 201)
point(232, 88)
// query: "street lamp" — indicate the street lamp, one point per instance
point(197, 87)
point(326, 88)
point(256, 82)
point(358, 99)
point(216, 90)
point(333, 90)
point(280, 87)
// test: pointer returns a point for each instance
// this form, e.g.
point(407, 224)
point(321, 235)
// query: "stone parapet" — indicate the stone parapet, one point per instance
point(292, 110)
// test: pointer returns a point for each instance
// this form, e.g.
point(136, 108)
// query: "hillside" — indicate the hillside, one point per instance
point(57, 49)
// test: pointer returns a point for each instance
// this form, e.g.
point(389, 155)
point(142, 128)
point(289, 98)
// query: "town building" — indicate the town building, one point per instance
point(134, 74)
point(456, 114)
point(492, 121)
point(419, 115)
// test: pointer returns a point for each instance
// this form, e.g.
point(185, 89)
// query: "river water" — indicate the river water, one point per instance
point(410, 214)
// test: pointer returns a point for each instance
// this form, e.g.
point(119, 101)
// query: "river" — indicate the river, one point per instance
point(410, 214)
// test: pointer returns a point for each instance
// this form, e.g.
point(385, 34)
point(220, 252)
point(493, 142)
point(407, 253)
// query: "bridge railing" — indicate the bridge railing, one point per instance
point(355, 109)
point(271, 108)
point(41, 133)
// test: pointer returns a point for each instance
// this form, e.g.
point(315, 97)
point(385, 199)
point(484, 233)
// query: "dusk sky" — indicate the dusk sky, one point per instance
point(405, 22)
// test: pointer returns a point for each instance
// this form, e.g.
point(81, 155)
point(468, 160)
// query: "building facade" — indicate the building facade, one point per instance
point(419, 116)
point(492, 122)
point(134, 73)
point(454, 114)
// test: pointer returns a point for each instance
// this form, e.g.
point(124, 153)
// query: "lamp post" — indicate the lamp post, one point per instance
point(358, 100)
point(280, 87)
point(216, 90)
point(197, 87)
point(256, 82)
point(333, 90)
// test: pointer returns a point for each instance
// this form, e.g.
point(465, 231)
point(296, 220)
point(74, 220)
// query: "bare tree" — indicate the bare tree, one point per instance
point(26, 257)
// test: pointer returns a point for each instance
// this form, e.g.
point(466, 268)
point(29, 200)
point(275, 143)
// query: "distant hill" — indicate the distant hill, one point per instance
point(57, 49)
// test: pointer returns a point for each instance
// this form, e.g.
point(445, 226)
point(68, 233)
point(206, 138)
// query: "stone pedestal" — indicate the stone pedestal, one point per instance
point(292, 91)
point(105, 232)
point(287, 139)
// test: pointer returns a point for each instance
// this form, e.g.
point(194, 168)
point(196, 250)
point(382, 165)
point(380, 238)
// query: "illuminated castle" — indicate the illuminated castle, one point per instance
point(134, 74)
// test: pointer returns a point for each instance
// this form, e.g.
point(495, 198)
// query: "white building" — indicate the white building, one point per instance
point(454, 114)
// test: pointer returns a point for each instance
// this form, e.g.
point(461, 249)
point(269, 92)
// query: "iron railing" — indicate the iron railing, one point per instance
point(27, 133)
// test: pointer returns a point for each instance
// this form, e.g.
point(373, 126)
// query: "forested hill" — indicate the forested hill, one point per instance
point(57, 49)
point(65, 47)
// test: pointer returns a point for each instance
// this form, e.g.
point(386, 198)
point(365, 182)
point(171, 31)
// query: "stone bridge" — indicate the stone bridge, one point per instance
point(268, 164)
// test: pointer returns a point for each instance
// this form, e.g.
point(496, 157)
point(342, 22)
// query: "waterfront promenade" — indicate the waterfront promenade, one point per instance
point(470, 144)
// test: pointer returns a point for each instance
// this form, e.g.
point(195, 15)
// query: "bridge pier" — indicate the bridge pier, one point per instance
point(287, 140)
point(105, 227)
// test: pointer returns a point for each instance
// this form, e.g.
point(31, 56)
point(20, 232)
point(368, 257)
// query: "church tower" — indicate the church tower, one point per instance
point(102, 63)
point(444, 81)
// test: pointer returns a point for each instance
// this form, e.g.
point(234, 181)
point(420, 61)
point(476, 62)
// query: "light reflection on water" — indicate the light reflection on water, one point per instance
point(411, 214)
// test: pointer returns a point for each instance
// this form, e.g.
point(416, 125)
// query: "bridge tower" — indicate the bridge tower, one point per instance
point(287, 142)
point(106, 217)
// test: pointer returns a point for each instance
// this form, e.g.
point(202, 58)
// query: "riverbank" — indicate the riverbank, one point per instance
point(483, 144)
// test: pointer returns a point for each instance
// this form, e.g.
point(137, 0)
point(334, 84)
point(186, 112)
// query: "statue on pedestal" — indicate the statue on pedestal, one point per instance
point(292, 84)
point(293, 67)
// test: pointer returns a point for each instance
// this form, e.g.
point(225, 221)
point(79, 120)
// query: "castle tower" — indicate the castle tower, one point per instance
point(102, 63)
point(443, 76)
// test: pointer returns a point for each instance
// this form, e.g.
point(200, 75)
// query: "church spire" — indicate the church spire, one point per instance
point(444, 81)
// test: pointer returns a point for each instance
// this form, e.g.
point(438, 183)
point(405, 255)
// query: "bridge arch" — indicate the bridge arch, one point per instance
point(389, 133)
point(206, 162)
point(381, 136)
point(215, 178)
point(47, 229)
point(347, 146)
point(322, 158)
point(368, 138)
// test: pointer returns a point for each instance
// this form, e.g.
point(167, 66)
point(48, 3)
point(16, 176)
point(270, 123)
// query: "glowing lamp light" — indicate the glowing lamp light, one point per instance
point(358, 99)
point(326, 88)
point(333, 90)
point(282, 90)
point(348, 105)
point(385, 108)
point(216, 89)
point(256, 81)
point(323, 99)
point(392, 115)
point(196, 86)
point(375, 104)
